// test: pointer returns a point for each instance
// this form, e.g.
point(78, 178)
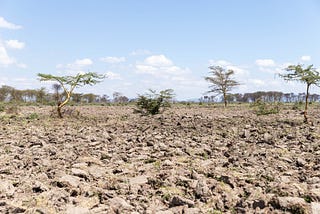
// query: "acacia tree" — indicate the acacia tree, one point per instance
point(69, 83)
point(221, 81)
point(309, 76)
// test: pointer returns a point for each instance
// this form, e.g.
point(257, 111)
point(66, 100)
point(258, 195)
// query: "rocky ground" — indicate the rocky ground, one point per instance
point(188, 160)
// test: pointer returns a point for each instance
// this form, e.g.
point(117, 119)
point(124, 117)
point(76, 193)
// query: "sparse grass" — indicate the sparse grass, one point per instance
point(157, 165)
point(263, 108)
point(33, 116)
point(297, 106)
point(2, 107)
point(169, 191)
point(307, 198)
point(215, 211)
point(7, 149)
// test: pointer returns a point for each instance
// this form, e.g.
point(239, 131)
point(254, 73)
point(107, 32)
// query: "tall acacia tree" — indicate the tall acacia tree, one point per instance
point(309, 76)
point(69, 83)
point(222, 82)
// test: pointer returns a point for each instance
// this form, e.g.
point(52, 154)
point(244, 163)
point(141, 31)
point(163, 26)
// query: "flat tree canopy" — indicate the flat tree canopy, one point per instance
point(221, 81)
point(69, 83)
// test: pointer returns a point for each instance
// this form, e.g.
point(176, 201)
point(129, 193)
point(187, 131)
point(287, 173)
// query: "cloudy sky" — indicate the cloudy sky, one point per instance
point(158, 44)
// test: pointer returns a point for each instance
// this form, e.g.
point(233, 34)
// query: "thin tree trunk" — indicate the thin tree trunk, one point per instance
point(225, 99)
point(60, 105)
point(59, 112)
point(306, 105)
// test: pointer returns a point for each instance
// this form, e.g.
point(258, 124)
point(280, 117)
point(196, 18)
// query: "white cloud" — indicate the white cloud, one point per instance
point(145, 69)
point(5, 24)
point(306, 58)
point(276, 69)
point(163, 73)
point(77, 67)
point(265, 62)
point(176, 70)
point(240, 73)
point(5, 59)
point(159, 66)
point(237, 70)
point(158, 60)
point(111, 59)
point(82, 62)
point(113, 76)
point(15, 44)
point(72, 72)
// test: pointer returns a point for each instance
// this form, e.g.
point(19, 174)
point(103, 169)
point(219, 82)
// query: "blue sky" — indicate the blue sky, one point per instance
point(158, 44)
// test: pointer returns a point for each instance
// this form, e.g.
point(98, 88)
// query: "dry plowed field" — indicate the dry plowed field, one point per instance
point(187, 160)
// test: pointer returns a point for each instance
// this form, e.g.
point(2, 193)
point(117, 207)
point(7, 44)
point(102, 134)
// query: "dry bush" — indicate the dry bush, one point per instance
point(12, 109)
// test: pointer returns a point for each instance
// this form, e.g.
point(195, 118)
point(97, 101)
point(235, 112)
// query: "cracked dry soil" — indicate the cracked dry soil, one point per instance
point(187, 160)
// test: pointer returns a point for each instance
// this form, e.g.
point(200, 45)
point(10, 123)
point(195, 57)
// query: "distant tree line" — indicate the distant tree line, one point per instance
point(11, 94)
point(265, 96)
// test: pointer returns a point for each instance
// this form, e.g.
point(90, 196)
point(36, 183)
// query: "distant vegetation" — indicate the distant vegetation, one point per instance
point(221, 84)
point(265, 96)
point(41, 96)
point(153, 102)
point(264, 108)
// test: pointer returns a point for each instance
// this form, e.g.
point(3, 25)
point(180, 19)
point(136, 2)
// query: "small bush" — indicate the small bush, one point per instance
point(152, 103)
point(33, 116)
point(263, 108)
point(297, 105)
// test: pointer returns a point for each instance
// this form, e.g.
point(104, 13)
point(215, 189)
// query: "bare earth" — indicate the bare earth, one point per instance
point(187, 160)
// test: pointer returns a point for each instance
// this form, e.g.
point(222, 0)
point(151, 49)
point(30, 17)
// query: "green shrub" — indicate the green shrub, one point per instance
point(263, 108)
point(297, 105)
point(152, 103)
point(2, 107)
point(33, 116)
